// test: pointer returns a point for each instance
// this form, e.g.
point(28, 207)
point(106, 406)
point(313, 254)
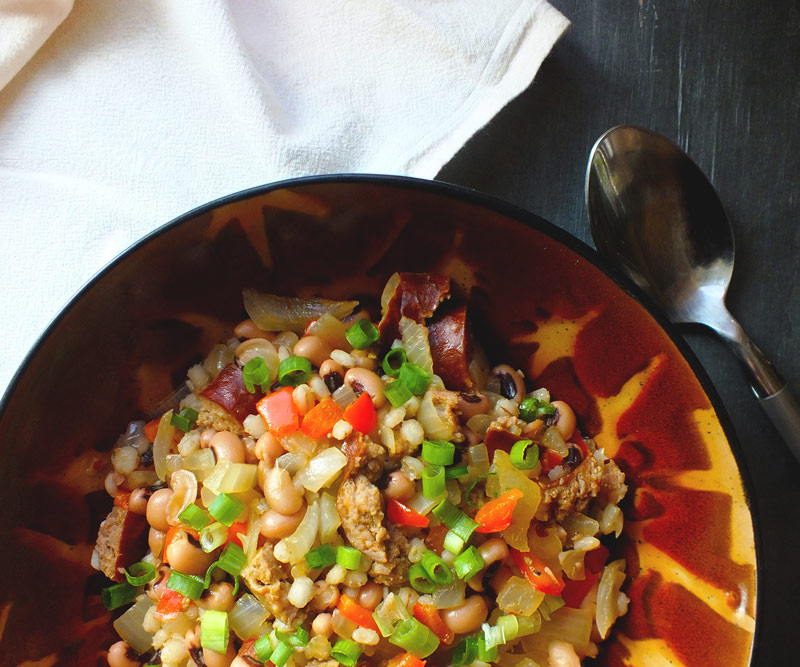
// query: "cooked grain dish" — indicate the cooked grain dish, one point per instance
point(326, 491)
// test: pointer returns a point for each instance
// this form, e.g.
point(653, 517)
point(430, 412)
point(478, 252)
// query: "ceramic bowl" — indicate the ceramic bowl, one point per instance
point(543, 300)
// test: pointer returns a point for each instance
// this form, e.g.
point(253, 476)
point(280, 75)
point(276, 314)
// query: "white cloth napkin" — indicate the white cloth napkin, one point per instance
point(136, 111)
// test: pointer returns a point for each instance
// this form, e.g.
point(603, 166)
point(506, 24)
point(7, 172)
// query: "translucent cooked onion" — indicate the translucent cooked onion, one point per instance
point(329, 520)
point(611, 520)
point(322, 469)
point(552, 439)
point(292, 549)
point(577, 525)
point(573, 626)
point(478, 460)
point(331, 330)
point(129, 625)
point(509, 477)
point(422, 505)
point(290, 462)
point(230, 477)
point(219, 357)
point(342, 625)
point(280, 313)
point(259, 348)
point(449, 596)
point(184, 492)
point(247, 616)
point(162, 443)
point(201, 462)
point(344, 395)
point(388, 291)
point(518, 596)
point(608, 593)
point(435, 427)
point(415, 343)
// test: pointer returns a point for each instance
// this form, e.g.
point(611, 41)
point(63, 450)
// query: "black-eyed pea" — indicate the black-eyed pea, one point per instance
point(121, 654)
point(214, 659)
point(276, 525)
point(227, 446)
point(313, 348)
point(218, 596)
point(137, 503)
point(400, 486)
point(467, 617)
point(157, 509)
point(322, 625)
point(363, 379)
point(512, 385)
point(268, 448)
point(281, 493)
point(187, 558)
point(565, 419)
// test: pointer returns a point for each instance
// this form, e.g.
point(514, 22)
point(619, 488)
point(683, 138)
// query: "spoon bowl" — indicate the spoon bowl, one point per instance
point(654, 214)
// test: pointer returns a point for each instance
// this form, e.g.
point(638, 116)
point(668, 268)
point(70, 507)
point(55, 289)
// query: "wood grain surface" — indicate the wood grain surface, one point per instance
point(722, 79)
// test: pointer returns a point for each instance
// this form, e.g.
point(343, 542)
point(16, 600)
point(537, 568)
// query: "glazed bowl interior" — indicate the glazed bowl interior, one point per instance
point(538, 298)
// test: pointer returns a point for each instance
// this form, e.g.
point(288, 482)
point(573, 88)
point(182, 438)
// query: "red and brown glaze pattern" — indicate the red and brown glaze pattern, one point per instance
point(688, 539)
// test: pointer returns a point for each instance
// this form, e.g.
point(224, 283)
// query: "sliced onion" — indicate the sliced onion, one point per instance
point(435, 427)
point(578, 524)
point(322, 469)
point(552, 439)
point(292, 549)
point(607, 593)
point(331, 330)
point(247, 616)
point(412, 466)
point(479, 459)
point(344, 395)
point(290, 462)
point(329, 520)
point(342, 625)
point(230, 477)
point(422, 505)
point(415, 343)
point(388, 291)
point(280, 313)
point(162, 443)
point(184, 492)
point(449, 596)
point(518, 596)
point(250, 540)
point(129, 626)
point(219, 357)
point(201, 462)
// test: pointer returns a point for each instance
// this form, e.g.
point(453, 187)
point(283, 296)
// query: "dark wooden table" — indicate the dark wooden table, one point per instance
point(722, 79)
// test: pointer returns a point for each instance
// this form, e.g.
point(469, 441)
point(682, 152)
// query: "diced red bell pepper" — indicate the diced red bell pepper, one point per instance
point(402, 515)
point(495, 516)
point(279, 412)
point(319, 420)
point(150, 430)
point(405, 660)
point(534, 569)
point(234, 530)
point(170, 605)
point(353, 611)
point(122, 499)
point(428, 615)
point(361, 414)
point(550, 460)
point(575, 590)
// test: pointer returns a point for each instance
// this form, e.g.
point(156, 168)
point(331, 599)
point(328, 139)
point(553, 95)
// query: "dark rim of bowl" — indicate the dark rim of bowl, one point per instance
point(494, 204)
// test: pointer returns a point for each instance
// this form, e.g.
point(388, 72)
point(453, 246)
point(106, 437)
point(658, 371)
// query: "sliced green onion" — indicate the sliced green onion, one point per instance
point(453, 543)
point(187, 585)
point(214, 633)
point(464, 527)
point(346, 652)
point(118, 595)
point(225, 508)
point(466, 652)
point(414, 637)
point(263, 648)
point(348, 557)
point(468, 564)
point(484, 654)
point(419, 579)
point(455, 471)
point(550, 604)
point(184, 420)
point(362, 334)
point(300, 638)
point(255, 372)
point(393, 361)
point(532, 408)
point(194, 517)
point(437, 569)
point(439, 452)
point(493, 636)
point(433, 481)
point(446, 512)
point(232, 559)
point(415, 378)
point(322, 556)
point(397, 393)
point(140, 573)
point(294, 371)
point(281, 654)
point(524, 454)
point(213, 536)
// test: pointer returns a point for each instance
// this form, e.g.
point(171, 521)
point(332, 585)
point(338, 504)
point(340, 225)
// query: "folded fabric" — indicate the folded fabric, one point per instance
point(134, 112)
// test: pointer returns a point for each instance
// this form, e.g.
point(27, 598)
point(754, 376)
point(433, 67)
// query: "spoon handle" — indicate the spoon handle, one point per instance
point(769, 387)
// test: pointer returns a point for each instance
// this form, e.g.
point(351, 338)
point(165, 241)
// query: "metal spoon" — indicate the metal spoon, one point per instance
point(654, 214)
